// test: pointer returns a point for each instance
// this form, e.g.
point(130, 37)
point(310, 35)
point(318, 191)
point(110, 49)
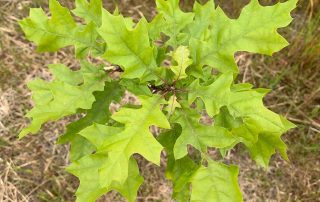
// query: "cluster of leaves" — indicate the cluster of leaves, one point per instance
point(168, 64)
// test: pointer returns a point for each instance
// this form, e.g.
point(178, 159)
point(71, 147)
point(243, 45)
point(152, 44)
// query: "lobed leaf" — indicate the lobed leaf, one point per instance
point(135, 138)
point(229, 36)
point(87, 170)
point(181, 57)
point(59, 31)
point(127, 47)
point(261, 128)
point(214, 95)
point(64, 95)
point(198, 135)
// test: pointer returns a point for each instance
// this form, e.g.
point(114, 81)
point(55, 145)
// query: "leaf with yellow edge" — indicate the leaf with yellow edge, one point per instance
point(181, 57)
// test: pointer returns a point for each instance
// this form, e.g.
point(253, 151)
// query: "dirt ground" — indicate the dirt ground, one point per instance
point(32, 169)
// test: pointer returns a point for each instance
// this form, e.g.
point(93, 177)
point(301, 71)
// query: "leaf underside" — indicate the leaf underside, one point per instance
point(167, 64)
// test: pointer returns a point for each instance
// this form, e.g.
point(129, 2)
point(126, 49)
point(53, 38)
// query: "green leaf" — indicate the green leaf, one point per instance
point(135, 138)
point(129, 48)
point(216, 183)
point(214, 96)
point(246, 33)
point(202, 20)
point(266, 146)
point(59, 31)
point(176, 19)
point(226, 120)
point(261, 127)
point(64, 95)
point(198, 135)
point(98, 134)
point(90, 11)
point(181, 57)
point(87, 170)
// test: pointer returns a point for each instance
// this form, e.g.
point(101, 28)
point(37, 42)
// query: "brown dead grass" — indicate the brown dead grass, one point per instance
point(32, 169)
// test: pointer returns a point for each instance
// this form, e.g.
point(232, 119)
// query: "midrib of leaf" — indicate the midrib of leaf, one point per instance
point(181, 67)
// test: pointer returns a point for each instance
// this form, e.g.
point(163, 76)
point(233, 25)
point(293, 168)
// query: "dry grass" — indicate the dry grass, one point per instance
point(32, 169)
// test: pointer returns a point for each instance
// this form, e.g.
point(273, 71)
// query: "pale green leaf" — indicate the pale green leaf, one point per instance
point(202, 54)
point(266, 146)
point(99, 113)
point(181, 57)
point(87, 170)
point(172, 105)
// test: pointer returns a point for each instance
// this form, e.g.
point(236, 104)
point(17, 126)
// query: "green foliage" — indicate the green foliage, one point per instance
point(167, 63)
